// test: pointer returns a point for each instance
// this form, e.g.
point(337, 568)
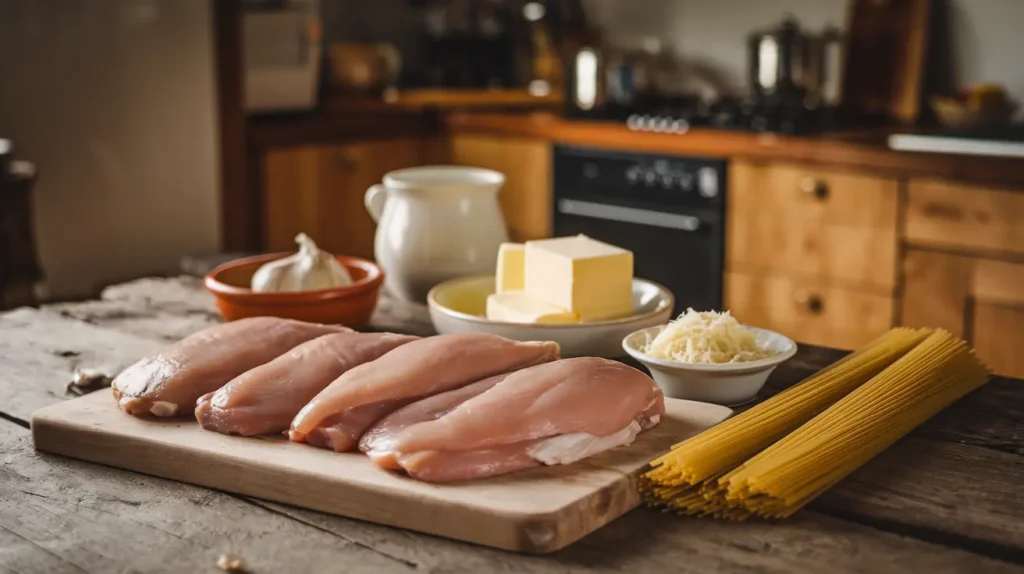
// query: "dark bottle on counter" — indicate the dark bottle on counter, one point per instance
point(20, 273)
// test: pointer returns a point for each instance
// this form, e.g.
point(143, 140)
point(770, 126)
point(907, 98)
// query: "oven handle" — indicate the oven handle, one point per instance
point(628, 214)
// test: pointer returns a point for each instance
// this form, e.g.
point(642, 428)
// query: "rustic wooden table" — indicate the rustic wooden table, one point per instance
point(948, 498)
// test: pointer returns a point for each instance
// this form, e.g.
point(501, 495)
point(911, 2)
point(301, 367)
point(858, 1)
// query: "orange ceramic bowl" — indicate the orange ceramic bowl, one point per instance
point(350, 306)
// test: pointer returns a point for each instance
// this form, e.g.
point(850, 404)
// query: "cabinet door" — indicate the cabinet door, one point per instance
point(805, 220)
point(979, 299)
point(526, 198)
point(808, 310)
point(319, 190)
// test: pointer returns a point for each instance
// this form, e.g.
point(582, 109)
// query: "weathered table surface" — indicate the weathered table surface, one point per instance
point(948, 498)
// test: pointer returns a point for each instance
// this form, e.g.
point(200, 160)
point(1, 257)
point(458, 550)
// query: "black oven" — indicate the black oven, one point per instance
point(668, 210)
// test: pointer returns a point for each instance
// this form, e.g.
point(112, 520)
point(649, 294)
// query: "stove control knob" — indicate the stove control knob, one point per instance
point(707, 182)
point(633, 174)
point(634, 123)
point(685, 181)
point(679, 126)
point(650, 178)
point(667, 181)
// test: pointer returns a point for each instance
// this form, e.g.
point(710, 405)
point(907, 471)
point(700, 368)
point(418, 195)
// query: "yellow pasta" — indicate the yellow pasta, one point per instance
point(718, 450)
point(935, 370)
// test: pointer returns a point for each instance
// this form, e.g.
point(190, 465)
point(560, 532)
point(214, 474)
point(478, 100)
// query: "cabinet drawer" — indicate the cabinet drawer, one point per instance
point(809, 221)
point(957, 215)
point(808, 310)
point(981, 300)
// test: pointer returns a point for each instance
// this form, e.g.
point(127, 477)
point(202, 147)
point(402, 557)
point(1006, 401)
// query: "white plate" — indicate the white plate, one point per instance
point(459, 306)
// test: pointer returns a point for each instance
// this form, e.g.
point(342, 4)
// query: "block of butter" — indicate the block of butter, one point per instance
point(592, 279)
point(510, 268)
point(518, 307)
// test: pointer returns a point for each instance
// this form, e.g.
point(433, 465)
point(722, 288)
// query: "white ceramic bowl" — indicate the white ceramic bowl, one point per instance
point(728, 384)
point(459, 306)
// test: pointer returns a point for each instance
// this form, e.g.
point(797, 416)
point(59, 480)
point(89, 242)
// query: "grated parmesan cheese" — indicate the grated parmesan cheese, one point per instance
point(705, 337)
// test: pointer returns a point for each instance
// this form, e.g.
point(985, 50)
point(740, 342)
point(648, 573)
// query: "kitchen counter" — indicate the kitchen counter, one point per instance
point(948, 498)
point(864, 149)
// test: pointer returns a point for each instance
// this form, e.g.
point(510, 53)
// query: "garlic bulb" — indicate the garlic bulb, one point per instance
point(308, 270)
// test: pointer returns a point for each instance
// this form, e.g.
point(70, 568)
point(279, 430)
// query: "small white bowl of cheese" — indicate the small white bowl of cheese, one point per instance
point(709, 357)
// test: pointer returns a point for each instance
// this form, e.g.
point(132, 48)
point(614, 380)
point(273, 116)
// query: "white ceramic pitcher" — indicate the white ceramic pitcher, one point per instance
point(435, 223)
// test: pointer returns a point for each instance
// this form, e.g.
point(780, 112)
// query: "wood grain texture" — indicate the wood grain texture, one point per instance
point(973, 297)
point(70, 516)
point(832, 225)
point(319, 190)
point(537, 511)
point(982, 513)
point(997, 333)
point(808, 309)
point(526, 197)
point(62, 515)
point(998, 282)
point(884, 57)
point(46, 362)
point(446, 99)
point(237, 223)
point(902, 516)
point(960, 216)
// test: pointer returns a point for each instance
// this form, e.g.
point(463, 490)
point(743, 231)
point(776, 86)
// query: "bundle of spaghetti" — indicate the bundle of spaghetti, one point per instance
point(684, 478)
point(795, 470)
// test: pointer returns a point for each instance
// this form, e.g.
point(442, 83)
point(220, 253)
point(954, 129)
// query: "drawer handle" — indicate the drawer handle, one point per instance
point(815, 188)
point(809, 301)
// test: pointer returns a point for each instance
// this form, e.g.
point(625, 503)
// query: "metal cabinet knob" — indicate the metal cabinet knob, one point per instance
point(813, 303)
point(814, 187)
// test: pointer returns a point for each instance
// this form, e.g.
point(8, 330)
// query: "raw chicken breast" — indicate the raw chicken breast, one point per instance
point(556, 413)
point(265, 399)
point(169, 383)
point(337, 417)
point(375, 440)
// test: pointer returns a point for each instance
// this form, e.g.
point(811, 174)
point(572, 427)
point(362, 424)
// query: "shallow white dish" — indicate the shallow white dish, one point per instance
point(459, 306)
point(726, 384)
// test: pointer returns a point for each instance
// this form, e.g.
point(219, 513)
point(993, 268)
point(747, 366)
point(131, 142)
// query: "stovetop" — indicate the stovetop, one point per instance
point(662, 114)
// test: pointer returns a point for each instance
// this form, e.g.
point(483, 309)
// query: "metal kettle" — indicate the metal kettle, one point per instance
point(789, 67)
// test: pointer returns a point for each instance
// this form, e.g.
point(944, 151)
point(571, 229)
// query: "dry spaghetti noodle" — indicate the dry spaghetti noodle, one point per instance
point(890, 387)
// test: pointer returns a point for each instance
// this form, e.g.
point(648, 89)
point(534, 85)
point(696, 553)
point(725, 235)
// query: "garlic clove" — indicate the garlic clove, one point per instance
point(309, 269)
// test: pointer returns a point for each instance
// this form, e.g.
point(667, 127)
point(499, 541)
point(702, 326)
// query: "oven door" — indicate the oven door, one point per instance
point(680, 250)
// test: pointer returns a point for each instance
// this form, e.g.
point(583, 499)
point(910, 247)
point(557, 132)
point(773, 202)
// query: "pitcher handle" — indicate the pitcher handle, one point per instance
point(374, 200)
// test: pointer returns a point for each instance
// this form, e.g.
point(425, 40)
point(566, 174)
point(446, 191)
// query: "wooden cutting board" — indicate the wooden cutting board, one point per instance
point(537, 510)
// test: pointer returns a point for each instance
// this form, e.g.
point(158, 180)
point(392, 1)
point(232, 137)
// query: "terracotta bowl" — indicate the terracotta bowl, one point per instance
point(350, 306)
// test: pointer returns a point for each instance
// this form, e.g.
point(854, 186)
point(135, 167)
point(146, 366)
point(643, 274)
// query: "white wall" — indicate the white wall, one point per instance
point(114, 101)
point(985, 34)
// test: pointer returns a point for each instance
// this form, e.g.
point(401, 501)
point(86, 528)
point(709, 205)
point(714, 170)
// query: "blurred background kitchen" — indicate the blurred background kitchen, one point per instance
point(825, 168)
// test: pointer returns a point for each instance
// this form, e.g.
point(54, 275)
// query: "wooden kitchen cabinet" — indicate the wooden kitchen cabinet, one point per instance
point(812, 252)
point(977, 298)
point(960, 216)
point(808, 310)
point(837, 226)
point(319, 190)
point(526, 198)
